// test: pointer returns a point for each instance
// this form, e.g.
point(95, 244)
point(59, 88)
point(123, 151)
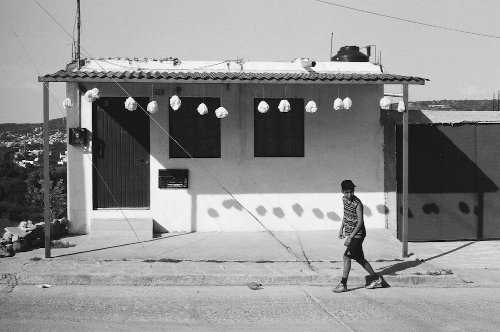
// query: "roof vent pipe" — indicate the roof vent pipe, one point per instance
point(350, 54)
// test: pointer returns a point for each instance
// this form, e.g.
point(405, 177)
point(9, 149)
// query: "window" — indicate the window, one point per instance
point(278, 134)
point(197, 134)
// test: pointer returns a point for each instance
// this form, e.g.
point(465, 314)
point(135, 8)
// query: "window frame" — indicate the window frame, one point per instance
point(279, 134)
point(194, 131)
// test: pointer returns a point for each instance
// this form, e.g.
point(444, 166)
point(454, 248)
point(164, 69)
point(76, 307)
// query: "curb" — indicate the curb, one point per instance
point(109, 279)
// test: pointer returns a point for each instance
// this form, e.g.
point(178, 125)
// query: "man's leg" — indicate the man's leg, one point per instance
point(342, 287)
point(375, 280)
point(367, 267)
point(347, 267)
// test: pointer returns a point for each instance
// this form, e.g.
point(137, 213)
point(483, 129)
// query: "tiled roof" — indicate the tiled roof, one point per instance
point(173, 70)
point(65, 76)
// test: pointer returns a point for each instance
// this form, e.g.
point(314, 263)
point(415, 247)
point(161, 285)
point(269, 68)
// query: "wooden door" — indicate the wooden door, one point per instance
point(120, 153)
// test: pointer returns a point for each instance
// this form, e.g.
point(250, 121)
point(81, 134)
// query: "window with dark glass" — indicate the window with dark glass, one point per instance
point(197, 134)
point(278, 134)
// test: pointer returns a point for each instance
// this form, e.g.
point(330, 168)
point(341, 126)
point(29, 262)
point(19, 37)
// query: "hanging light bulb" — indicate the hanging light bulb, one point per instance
point(221, 112)
point(175, 102)
point(347, 103)
point(130, 104)
point(337, 104)
point(311, 107)
point(152, 107)
point(263, 107)
point(385, 103)
point(202, 109)
point(401, 106)
point(67, 104)
point(284, 106)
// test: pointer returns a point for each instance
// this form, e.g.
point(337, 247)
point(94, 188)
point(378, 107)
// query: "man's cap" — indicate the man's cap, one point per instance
point(347, 184)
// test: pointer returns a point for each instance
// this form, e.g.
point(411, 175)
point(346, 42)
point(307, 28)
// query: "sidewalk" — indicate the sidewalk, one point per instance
point(305, 258)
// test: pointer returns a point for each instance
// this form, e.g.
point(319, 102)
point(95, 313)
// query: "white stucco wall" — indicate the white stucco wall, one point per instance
point(282, 193)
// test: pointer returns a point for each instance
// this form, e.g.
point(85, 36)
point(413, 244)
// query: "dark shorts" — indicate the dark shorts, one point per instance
point(355, 249)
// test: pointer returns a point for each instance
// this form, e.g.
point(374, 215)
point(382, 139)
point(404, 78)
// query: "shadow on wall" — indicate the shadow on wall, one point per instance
point(446, 182)
point(297, 209)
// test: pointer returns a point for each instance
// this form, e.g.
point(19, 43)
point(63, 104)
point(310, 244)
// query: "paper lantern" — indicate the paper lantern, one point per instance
point(263, 107)
point(401, 106)
point(221, 112)
point(91, 95)
point(385, 103)
point(202, 109)
point(311, 107)
point(175, 103)
point(152, 107)
point(338, 104)
point(130, 104)
point(284, 106)
point(347, 103)
point(67, 104)
point(95, 91)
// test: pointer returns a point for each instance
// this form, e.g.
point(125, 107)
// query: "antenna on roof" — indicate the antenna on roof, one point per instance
point(77, 55)
point(331, 46)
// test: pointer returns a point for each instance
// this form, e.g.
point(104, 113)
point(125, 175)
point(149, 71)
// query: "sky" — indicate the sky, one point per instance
point(458, 65)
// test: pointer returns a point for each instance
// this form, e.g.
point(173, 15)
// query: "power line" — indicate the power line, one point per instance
point(199, 164)
point(59, 108)
point(406, 20)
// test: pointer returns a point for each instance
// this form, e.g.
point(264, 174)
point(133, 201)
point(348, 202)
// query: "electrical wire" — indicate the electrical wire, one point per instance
point(199, 164)
point(406, 20)
point(95, 167)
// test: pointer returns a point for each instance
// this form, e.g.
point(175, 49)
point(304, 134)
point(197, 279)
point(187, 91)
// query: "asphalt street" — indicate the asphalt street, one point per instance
point(274, 308)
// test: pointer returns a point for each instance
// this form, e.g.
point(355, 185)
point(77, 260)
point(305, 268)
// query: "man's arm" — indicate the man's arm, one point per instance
point(341, 231)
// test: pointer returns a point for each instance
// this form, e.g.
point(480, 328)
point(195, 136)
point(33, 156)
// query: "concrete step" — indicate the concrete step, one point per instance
point(121, 228)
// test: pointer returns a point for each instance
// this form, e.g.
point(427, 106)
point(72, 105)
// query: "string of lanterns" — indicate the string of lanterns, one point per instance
point(221, 112)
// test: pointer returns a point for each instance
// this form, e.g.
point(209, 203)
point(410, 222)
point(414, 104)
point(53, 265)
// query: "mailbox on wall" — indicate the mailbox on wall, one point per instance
point(77, 136)
point(173, 178)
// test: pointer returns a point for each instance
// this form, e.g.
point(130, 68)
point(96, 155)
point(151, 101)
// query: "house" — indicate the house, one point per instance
point(63, 159)
point(179, 170)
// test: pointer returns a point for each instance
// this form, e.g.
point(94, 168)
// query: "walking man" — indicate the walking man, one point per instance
point(354, 232)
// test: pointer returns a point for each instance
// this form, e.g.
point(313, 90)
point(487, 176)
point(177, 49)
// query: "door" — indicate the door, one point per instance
point(120, 153)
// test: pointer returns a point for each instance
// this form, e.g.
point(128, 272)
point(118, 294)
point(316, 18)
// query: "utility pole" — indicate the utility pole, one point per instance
point(78, 33)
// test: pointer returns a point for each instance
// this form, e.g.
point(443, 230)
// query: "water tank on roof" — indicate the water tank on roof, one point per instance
point(350, 54)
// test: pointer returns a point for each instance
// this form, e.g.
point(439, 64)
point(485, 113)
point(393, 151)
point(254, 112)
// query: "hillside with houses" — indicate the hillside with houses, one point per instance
point(22, 143)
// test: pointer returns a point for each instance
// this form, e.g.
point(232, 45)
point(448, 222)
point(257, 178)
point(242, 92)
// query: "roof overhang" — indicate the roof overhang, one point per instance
point(223, 78)
point(132, 70)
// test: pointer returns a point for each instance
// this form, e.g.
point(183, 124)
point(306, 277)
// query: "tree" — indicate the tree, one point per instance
point(34, 195)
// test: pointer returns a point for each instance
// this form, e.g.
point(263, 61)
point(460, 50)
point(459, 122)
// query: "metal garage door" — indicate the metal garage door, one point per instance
point(453, 182)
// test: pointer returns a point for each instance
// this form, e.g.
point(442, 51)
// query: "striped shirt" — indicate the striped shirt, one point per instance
point(351, 217)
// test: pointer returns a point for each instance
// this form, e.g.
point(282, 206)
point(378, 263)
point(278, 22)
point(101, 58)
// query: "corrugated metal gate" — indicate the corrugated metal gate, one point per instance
point(120, 152)
point(454, 177)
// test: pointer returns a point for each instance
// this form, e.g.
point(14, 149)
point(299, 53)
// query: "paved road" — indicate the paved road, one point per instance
point(287, 308)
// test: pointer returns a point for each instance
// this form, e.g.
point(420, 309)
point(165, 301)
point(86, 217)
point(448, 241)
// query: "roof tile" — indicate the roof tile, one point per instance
point(64, 75)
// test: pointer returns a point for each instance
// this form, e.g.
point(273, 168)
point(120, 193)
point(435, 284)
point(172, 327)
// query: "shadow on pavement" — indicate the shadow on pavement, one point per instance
point(398, 267)
point(119, 245)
